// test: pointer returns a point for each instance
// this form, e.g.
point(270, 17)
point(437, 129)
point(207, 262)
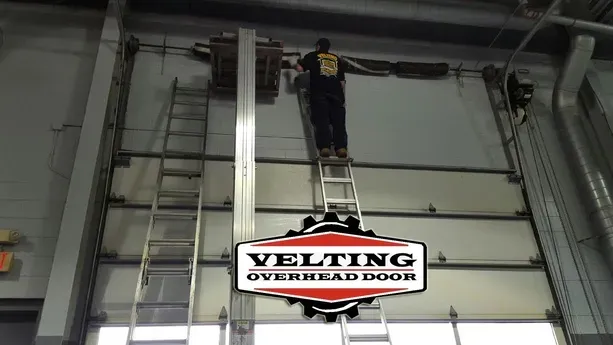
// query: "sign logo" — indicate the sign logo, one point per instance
point(330, 267)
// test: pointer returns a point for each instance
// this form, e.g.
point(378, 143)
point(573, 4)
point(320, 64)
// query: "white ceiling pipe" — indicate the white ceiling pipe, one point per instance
point(581, 24)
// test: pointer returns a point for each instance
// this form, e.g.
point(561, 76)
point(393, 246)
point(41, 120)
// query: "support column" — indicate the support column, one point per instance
point(64, 285)
point(242, 307)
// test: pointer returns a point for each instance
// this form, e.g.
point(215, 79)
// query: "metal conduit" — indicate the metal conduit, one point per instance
point(594, 184)
point(581, 24)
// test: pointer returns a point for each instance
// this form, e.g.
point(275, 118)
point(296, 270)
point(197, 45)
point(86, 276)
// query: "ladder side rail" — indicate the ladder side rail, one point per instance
point(355, 194)
point(306, 114)
point(305, 109)
point(323, 185)
point(194, 263)
point(154, 207)
point(382, 316)
point(384, 321)
point(345, 330)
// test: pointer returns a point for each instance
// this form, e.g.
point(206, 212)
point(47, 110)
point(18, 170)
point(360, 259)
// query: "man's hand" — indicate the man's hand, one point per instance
point(294, 62)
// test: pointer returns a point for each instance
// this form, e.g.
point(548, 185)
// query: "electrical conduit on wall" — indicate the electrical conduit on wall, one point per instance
point(593, 183)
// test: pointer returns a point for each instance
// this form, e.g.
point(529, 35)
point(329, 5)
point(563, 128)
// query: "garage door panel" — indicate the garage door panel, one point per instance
point(116, 286)
point(127, 228)
point(473, 294)
point(473, 240)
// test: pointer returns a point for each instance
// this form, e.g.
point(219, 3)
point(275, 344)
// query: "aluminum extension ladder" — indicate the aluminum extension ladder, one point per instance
point(148, 267)
point(332, 203)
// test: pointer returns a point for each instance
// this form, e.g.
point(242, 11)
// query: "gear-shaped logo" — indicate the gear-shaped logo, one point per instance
point(330, 267)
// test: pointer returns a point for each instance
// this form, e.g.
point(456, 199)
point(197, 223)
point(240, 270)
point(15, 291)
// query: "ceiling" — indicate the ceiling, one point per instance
point(551, 40)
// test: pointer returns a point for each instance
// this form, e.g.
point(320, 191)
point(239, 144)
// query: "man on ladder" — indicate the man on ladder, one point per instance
point(327, 100)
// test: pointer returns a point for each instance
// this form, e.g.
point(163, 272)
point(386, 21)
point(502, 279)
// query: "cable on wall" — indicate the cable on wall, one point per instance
point(51, 158)
point(505, 75)
point(502, 28)
point(536, 141)
point(570, 236)
point(557, 273)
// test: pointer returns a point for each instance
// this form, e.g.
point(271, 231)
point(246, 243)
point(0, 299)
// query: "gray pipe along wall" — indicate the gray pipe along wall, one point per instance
point(594, 183)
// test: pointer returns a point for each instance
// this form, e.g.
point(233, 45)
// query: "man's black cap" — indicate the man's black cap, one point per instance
point(324, 44)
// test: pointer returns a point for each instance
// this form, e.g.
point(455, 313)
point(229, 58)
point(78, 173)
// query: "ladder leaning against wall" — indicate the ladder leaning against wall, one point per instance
point(187, 267)
point(352, 202)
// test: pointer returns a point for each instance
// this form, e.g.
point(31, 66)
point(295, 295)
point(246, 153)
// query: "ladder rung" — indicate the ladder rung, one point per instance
point(188, 153)
point(186, 134)
point(172, 243)
point(191, 89)
point(370, 338)
point(198, 104)
point(162, 305)
point(374, 306)
point(334, 161)
point(182, 172)
point(340, 201)
point(179, 193)
point(175, 215)
point(159, 342)
point(189, 117)
point(167, 271)
point(337, 179)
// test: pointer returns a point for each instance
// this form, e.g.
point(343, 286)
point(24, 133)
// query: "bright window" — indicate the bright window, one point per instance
point(408, 333)
point(297, 334)
point(507, 334)
point(330, 334)
point(326, 334)
point(205, 335)
point(422, 334)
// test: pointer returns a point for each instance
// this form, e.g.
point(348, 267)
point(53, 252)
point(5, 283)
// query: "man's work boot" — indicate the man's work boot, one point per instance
point(325, 153)
point(341, 153)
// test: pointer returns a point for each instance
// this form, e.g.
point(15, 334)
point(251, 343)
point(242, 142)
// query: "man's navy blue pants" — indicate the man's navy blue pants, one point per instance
point(328, 111)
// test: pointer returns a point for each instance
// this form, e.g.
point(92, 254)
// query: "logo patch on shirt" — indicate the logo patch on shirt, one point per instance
point(328, 64)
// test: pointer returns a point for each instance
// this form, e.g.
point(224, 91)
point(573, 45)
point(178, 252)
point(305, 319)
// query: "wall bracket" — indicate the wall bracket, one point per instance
point(553, 314)
point(100, 317)
point(225, 254)
point(223, 315)
point(121, 161)
point(514, 178)
point(537, 260)
point(441, 257)
point(523, 213)
point(107, 254)
point(117, 199)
